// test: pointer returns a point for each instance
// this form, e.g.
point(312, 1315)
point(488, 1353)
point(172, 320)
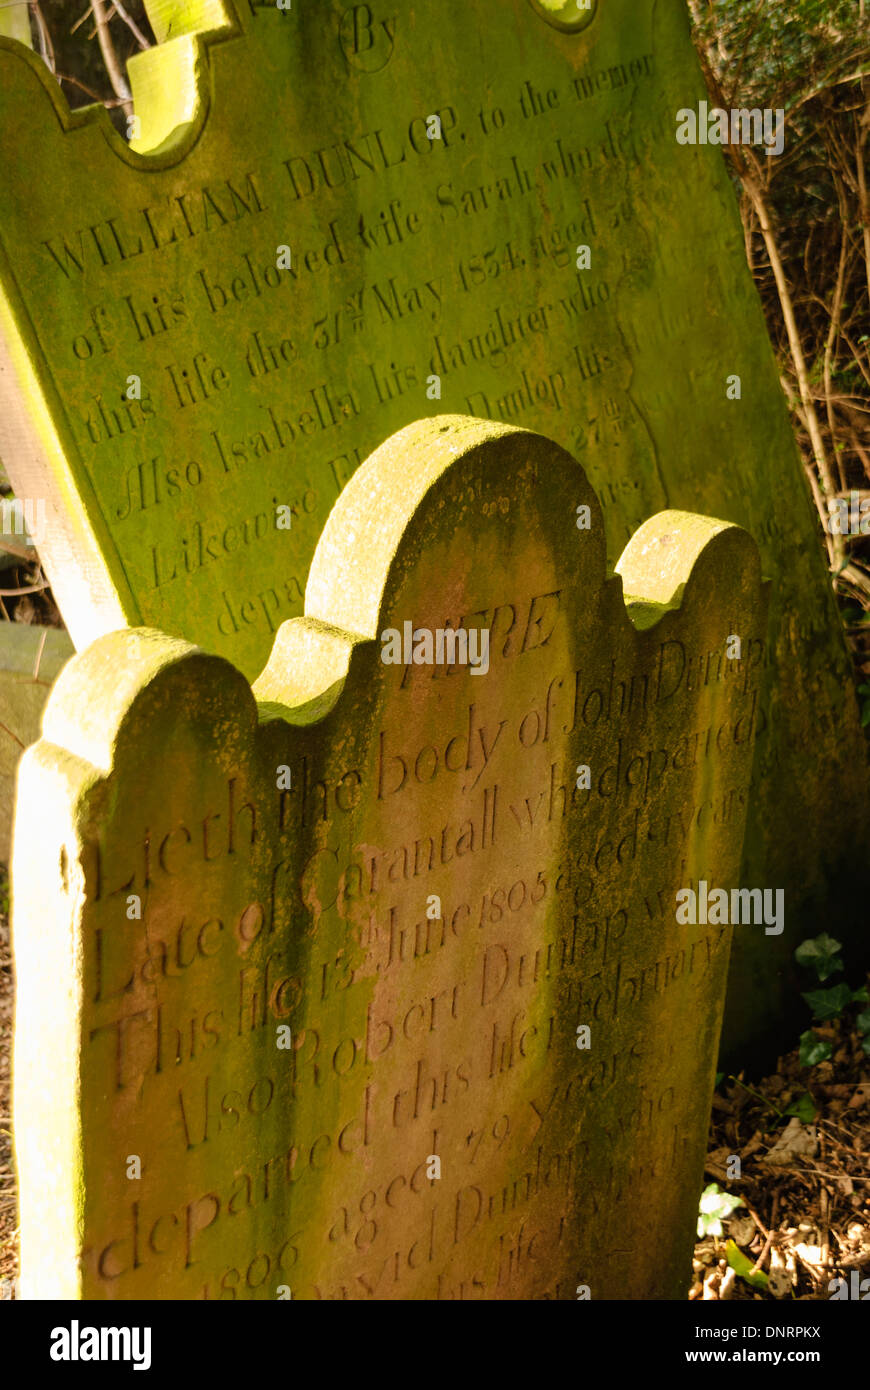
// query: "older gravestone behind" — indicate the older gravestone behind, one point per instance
point(332, 213)
point(376, 988)
point(30, 659)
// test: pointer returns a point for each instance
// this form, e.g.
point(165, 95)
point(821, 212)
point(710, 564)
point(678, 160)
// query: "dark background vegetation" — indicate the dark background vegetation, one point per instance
point(806, 219)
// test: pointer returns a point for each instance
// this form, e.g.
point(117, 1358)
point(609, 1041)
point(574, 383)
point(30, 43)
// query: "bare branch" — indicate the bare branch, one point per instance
point(27, 589)
point(46, 49)
point(95, 96)
point(110, 57)
point(131, 25)
point(79, 22)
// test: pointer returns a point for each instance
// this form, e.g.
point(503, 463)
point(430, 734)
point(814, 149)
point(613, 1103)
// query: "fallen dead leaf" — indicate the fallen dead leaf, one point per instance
point(861, 1096)
point(796, 1141)
point(779, 1283)
point(742, 1229)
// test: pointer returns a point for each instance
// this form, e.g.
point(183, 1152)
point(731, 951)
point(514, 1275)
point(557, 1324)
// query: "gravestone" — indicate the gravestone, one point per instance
point(15, 22)
point(370, 983)
point(432, 173)
point(30, 655)
point(30, 659)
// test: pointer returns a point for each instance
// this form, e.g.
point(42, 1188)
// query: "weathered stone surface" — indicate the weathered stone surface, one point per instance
point(410, 257)
point(15, 22)
point(30, 658)
point(414, 789)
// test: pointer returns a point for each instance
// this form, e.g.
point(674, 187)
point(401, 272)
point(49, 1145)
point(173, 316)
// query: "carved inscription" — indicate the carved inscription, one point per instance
point(426, 911)
point(320, 262)
point(337, 247)
point(414, 260)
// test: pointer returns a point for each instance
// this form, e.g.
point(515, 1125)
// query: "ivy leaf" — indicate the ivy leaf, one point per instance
point(713, 1207)
point(820, 952)
point(862, 1022)
point(742, 1266)
point(828, 1003)
point(859, 996)
point(805, 1108)
point(813, 1050)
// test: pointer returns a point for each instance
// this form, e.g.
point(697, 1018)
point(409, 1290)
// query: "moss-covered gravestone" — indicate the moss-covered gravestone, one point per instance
point(371, 984)
point(335, 218)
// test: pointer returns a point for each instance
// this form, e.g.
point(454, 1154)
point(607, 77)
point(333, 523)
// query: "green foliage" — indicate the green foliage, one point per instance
point(713, 1208)
point(828, 1003)
point(781, 49)
point(814, 1049)
point(819, 953)
point(804, 1107)
point(743, 1267)
point(865, 704)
